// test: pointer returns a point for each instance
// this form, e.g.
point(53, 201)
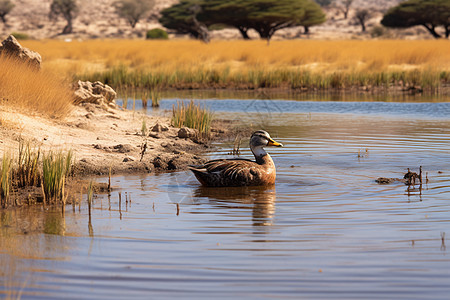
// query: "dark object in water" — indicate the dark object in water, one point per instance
point(384, 180)
point(410, 178)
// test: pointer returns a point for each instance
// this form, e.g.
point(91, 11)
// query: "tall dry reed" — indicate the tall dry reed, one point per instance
point(5, 179)
point(192, 115)
point(55, 168)
point(27, 89)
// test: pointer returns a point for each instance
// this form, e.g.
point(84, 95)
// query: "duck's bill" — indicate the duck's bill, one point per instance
point(273, 143)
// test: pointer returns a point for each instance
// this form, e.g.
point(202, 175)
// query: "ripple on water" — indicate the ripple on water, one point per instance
point(326, 230)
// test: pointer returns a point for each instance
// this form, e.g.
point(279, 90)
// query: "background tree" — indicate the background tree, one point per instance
point(264, 16)
point(313, 16)
point(344, 7)
point(182, 17)
point(68, 9)
point(232, 13)
point(324, 3)
point(133, 10)
point(269, 16)
point(5, 8)
point(427, 13)
point(362, 16)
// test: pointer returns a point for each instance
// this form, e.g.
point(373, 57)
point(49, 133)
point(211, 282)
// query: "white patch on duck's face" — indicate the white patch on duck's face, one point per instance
point(259, 151)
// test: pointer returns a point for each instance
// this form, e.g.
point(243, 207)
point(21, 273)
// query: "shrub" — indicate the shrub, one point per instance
point(20, 35)
point(377, 31)
point(157, 34)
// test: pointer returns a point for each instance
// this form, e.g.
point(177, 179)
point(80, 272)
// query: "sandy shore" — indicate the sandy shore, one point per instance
point(102, 139)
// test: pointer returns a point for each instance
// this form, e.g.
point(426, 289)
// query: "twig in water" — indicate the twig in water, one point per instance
point(109, 181)
point(120, 205)
point(144, 148)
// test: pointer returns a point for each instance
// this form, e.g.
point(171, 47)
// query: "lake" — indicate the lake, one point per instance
point(326, 230)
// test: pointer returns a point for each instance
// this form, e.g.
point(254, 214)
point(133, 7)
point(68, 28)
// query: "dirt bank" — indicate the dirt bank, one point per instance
point(102, 139)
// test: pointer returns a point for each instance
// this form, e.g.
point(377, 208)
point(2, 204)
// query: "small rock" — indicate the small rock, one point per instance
point(159, 128)
point(96, 93)
point(128, 159)
point(171, 165)
point(123, 148)
point(11, 47)
point(164, 144)
point(186, 132)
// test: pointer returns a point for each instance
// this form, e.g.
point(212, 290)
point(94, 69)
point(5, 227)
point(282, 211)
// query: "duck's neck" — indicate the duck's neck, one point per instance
point(260, 154)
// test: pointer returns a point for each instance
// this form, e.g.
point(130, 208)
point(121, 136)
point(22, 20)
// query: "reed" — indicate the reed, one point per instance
point(55, 168)
point(144, 128)
point(156, 96)
point(90, 195)
point(5, 179)
point(27, 165)
point(192, 115)
point(291, 78)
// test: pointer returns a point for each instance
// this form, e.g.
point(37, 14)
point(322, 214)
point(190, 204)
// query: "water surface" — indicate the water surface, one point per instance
point(326, 230)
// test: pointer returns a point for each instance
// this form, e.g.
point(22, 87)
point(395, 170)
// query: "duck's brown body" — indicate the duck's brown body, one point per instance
point(236, 172)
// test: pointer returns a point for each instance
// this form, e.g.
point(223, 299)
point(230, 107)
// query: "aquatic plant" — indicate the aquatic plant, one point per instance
point(90, 195)
point(144, 128)
point(192, 115)
point(5, 179)
point(156, 96)
point(55, 168)
point(27, 173)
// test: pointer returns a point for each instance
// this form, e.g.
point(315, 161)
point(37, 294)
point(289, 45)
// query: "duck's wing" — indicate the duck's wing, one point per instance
point(228, 171)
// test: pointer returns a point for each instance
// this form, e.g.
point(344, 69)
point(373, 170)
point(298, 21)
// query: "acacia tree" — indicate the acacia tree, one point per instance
point(269, 16)
point(362, 16)
point(313, 16)
point(5, 7)
point(427, 13)
point(68, 9)
point(344, 7)
point(133, 10)
point(182, 17)
point(264, 16)
point(324, 3)
point(232, 13)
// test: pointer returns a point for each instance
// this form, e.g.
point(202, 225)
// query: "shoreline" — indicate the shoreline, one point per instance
point(103, 141)
point(294, 94)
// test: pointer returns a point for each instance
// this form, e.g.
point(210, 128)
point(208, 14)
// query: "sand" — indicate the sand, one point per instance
point(102, 139)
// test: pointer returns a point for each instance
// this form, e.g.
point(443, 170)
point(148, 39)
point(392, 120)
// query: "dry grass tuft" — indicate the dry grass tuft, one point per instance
point(33, 91)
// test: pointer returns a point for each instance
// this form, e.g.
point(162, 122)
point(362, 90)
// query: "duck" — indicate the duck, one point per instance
point(240, 171)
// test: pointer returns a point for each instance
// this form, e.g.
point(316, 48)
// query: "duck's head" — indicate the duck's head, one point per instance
point(261, 139)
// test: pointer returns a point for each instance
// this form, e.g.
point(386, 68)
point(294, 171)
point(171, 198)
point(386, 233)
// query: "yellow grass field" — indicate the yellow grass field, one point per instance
point(328, 56)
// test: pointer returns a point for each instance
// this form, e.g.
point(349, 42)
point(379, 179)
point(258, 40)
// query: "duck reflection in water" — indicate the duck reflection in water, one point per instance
point(261, 200)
